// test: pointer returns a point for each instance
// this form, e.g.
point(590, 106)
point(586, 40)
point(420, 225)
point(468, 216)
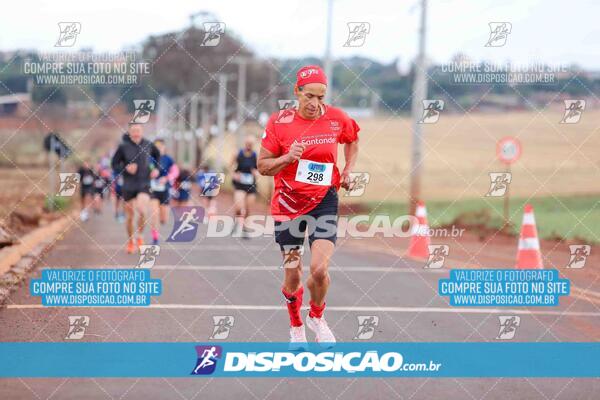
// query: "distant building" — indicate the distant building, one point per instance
point(15, 104)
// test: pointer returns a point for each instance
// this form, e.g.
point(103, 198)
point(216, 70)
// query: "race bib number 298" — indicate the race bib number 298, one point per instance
point(314, 173)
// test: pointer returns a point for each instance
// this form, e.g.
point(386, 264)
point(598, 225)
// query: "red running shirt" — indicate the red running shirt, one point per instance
point(292, 197)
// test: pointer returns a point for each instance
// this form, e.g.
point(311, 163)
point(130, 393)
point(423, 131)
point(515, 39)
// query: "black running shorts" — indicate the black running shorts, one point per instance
point(321, 223)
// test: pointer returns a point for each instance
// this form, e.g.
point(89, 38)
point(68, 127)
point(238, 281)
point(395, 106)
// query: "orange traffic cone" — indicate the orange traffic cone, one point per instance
point(419, 241)
point(528, 255)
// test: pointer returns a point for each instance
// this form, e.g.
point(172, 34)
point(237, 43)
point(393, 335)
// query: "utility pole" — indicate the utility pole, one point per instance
point(419, 94)
point(328, 64)
point(51, 175)
point(205, 129)
point(193, 152)
point(242, 63)
point(272, 105)
point(221, 109)
point(180, 129)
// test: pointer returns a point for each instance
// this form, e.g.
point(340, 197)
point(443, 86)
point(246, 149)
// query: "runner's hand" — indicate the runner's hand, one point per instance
point(154, 173)
point(345, 179)
point(295, 152)
point(131, 168)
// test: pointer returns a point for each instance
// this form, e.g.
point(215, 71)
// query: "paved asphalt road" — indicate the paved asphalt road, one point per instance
point(242, 278)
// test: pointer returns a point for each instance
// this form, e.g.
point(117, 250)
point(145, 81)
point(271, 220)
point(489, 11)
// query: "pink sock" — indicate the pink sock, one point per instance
point(154, 234)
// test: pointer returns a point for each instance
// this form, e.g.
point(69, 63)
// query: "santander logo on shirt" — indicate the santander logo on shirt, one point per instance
point(323, 138)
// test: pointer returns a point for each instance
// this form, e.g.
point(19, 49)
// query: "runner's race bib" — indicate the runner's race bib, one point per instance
point(314, 173)
point(120, 181)
point(246, 178)
point(99, 183)
point(88, 180)
point(156, 186)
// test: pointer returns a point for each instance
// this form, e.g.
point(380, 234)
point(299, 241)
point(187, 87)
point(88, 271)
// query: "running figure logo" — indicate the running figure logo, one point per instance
point(213, 31)
point(291, 255)
point(187, 219)
point(573, 111)
point(499, 32)
point(287, 109)
point(212, 183)
point(68, 34)
point(579, 255)
point(508, 326)
point(366, 326)
point(207, 359)
point(431, 111)
point(358, 184)
point(68, 183)
point(143, 109)
point(77, 325)
point(148, 254)
point(357, 33)
point(223, 325)
point(499, 184)
point(437, 256)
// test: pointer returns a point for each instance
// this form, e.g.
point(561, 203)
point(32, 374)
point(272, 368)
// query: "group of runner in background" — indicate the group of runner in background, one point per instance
point(141, 177)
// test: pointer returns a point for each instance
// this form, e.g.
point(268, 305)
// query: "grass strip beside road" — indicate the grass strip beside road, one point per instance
point(573, 217)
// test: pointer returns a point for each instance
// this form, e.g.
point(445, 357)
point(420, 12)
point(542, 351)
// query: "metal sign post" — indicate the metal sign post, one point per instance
point(508, 151)
point(52, 174)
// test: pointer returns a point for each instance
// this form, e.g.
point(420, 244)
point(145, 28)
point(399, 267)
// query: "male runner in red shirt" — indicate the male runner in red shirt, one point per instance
point(299, 148)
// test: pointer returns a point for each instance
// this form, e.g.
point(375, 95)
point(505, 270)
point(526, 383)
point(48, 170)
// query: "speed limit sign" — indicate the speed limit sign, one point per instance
point(508, 150)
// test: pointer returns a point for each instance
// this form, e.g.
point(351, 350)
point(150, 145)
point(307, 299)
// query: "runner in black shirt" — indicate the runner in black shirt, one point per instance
point(133, 159)
point(244, 182)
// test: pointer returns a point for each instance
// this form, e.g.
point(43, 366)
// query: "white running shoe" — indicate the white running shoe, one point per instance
point(298, 338)
point(83, 216)
point(324, 335)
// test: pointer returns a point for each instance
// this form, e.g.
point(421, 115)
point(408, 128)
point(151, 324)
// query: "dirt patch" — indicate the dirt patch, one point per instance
point(481, 224)
point(23, 203)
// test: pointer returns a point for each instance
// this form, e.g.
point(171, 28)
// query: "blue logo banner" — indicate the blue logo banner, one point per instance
point(275, 360)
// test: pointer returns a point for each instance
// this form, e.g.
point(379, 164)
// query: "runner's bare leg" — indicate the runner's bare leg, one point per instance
point(142, 202)
point(292, 277)
point(239, 197)
point(129, 207)
point(318, 281)
point(154, 213)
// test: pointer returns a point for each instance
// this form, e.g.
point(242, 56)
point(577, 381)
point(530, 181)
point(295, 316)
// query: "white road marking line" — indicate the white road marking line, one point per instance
point(238, 307)
point(358, 268)
point(166, 247)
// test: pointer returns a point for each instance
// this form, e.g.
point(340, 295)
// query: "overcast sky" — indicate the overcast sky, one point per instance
point(551, 31)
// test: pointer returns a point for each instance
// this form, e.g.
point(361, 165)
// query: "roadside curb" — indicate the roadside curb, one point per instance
point(17, 261)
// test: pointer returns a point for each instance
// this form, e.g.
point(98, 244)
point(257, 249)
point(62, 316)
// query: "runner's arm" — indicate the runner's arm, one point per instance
point(155, 156)
point(173, 174)
point(350, 155)
point(118, 161)
point(269, 164)
point(233, 167)
point(255, 168)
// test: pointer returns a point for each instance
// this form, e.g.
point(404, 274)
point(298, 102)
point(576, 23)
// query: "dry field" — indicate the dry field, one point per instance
point(459, 152)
